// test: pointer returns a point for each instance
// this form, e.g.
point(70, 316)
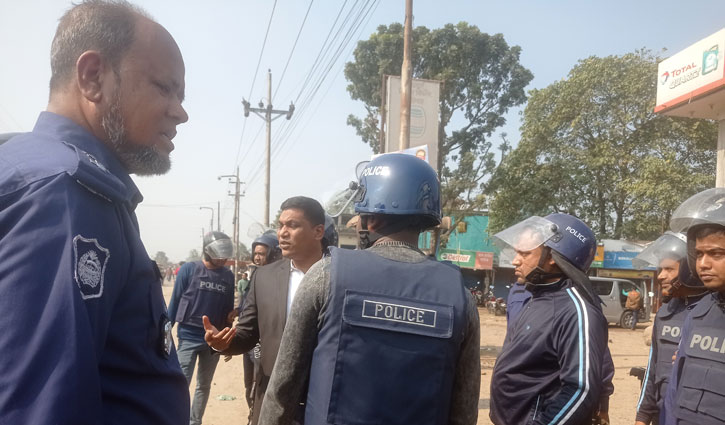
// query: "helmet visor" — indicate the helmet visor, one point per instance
point(525, 235)
point(703, 208)
point(670, 245)
point(220, 249)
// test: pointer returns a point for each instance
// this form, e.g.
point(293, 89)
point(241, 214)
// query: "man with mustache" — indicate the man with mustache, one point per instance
point(272, 289)
point(89, 340)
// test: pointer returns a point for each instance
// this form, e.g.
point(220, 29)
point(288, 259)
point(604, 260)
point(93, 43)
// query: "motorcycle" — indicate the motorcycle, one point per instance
point(500, 307)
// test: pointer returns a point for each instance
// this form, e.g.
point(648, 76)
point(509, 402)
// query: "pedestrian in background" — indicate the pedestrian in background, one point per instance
point(203, 288)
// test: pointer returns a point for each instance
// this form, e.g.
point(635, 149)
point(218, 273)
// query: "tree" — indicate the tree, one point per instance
point(194, 255)
point(161, 260)
point(591, 145)
point(482, 79)
point(243, 252)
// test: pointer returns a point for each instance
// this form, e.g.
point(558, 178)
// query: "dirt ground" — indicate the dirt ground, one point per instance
point(627, 347)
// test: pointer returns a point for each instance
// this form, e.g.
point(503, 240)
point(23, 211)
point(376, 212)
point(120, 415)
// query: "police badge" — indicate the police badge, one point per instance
point(90, 260)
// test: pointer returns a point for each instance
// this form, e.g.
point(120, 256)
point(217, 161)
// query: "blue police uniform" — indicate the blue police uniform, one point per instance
point(666, 334)
point(517, 298)
point(696, 393)
point(88, 341)
point(550, 369)
point(201, 291)
point(393, 332)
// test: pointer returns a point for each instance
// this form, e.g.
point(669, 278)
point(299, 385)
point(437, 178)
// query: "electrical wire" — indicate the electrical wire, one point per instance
point(299, 33)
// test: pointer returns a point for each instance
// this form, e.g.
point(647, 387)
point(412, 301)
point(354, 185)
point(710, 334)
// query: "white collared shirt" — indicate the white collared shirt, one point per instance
point(295, 277)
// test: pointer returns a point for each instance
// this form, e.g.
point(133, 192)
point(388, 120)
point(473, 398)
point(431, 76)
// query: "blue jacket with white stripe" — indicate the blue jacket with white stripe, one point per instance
point(550, 369)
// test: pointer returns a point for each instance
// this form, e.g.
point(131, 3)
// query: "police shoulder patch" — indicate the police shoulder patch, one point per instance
point(90, 260)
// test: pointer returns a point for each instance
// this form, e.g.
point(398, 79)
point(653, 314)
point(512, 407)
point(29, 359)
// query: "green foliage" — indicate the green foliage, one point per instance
point(592, 146)
point(482, 79)
point(161, 259)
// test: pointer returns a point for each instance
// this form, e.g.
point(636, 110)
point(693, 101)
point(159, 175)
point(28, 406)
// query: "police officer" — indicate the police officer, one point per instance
point(550, 369)
point(696, 392)
point(203, 287)
point(681, 291)
point(385, 334)
point(87, 338)
point(331, 237)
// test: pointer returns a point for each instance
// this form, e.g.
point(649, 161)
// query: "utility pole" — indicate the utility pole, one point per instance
point(406, 78)
point(266, 113)
point(235, 220)
point(218, 219)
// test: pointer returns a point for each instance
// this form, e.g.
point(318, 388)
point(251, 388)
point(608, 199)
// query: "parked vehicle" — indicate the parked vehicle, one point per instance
point(612, 292)
point(500, 309)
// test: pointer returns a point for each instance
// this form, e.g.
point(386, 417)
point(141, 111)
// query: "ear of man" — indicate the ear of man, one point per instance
point(91, 71)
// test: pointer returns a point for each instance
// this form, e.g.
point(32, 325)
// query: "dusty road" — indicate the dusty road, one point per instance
point(627, 347)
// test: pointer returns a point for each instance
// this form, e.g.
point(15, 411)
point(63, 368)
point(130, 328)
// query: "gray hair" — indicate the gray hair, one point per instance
point(107, 26)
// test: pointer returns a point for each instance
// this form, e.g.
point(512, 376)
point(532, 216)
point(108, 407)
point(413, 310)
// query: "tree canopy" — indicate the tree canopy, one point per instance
point(592, 146)
point(161, 259)
point(482, 79)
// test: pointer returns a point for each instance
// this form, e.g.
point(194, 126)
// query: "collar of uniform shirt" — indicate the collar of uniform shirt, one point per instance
point(295, 277)
point(398, 243)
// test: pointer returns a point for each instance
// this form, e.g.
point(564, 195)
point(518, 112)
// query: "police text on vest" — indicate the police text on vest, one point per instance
point(399, 313)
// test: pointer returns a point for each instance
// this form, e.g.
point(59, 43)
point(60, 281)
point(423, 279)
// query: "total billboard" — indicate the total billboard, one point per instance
point(424, 112)
point(690, 82)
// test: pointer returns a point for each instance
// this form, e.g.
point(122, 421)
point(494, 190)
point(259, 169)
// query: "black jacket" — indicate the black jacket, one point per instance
point(550, 369)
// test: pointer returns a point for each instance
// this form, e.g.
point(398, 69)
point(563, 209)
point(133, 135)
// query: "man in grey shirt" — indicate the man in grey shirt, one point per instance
point(386, 334)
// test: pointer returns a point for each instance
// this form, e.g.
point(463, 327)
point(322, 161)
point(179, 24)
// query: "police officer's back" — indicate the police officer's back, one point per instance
point(386, 334)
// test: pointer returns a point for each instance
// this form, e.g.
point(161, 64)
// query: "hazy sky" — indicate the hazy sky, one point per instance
point(221, 42)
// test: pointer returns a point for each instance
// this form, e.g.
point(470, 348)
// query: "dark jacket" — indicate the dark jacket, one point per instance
point(550, 369)
point(263, 319)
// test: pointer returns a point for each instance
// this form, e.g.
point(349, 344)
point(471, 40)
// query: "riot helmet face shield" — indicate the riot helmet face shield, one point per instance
point(702, 210)
point(669, 255)
point(524, 243)
point(526, 235)
point(706, 207)
point(671, 245)
point(220, 249)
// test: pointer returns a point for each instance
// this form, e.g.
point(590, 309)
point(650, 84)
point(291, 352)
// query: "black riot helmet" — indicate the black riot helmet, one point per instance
point(702, 210)
point(269, 239)
point(218, 246)
point(671, 246)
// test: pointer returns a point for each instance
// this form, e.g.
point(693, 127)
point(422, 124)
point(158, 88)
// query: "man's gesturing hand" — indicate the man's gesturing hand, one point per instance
point(218, 340)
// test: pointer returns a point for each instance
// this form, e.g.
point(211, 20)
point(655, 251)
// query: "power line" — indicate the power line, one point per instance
point(293, 50)
point(256, 71)
point(363, 15)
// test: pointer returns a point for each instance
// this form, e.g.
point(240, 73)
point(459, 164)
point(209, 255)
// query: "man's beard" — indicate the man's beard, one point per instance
point(139, 160)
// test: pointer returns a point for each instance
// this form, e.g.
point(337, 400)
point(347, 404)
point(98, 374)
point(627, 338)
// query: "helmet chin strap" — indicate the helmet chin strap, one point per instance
point(539, 276)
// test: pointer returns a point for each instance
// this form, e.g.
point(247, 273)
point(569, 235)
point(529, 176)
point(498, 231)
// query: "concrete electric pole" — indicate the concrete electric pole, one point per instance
point(406, 78)
point(234, 178)
point(268, 115)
